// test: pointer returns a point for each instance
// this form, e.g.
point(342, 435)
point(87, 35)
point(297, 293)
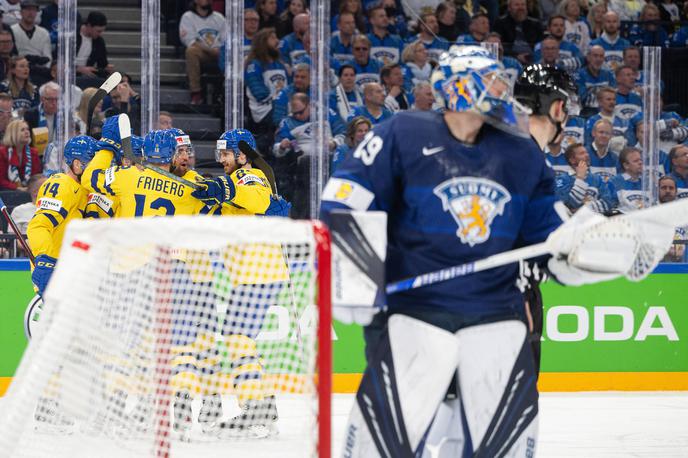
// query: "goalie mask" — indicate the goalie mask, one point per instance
point(230, 141)
point(469, 78)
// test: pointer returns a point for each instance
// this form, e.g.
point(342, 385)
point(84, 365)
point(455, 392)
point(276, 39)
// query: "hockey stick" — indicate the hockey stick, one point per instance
point(107, 87)
point(671, 214)
point(15, 229)
point(125, 133)
point(260, 163)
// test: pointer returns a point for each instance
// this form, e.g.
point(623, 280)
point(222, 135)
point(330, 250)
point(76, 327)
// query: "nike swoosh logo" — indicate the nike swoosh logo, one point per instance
point(431, 151)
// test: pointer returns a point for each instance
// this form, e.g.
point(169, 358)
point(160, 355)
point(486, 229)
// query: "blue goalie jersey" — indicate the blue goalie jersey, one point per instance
point(449, 203)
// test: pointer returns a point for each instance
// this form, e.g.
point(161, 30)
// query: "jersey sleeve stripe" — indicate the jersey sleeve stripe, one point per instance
point(51, 218)
point(94, 181)
point(63, 212)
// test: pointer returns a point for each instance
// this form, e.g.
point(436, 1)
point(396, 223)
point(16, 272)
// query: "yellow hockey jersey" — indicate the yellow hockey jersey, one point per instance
point(141, 192)
point(60, 199)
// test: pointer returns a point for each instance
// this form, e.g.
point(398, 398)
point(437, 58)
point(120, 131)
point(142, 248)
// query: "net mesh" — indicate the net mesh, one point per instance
point(173, 337)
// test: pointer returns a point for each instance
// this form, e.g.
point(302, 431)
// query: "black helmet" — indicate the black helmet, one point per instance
point(539, 85)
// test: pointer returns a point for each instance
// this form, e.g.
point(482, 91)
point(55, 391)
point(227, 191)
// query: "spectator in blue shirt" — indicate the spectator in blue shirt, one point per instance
point(398, 97)
point(626, 188)
point(385, 47)
point(478, 29)
point(569, 56)
point(591, 77)
point(373, 107)
point(428, 28)
point(417, 67)
point(628, 102)
point(345, 96)
point(603, 161)
point(678, 157)
point(367, 68)
point(611, 41)
point(356, 130)
point(354, 7)
point(582, 186)
point(649, 32)
point(291, 47)
point(342, 40)
point(301, 82)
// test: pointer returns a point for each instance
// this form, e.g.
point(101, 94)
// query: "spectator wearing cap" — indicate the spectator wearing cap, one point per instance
point(428, 28)
point(385, 47)
point(396, 96)
point(478, 29)
point(356, 130)
point(569, 56)
point(6, 48)
point(366, 67)
point(373, 107)
point(451, 22)
point(202, 31)
point(678, 158)
point(91, 60)
point(11, 11)
point(24, 93)
point(576, 29)
point(345, 96)
point(31, 40)
point(519, 32)
point(18, 161)
point(611, 41)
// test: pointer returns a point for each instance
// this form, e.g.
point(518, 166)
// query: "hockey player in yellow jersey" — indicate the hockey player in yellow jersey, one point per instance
point(253, 276)
point(60, 199)
point(141, 191)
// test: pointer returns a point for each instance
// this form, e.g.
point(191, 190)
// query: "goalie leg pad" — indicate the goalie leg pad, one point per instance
point(391, 415)
point(498, 389)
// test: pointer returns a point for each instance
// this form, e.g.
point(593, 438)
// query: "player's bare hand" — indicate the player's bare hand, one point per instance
point(285, 144)
point(582, 170)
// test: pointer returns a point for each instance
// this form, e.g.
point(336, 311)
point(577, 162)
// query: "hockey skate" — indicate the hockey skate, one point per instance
point(211, 412)
point(183, 420)
point(49, 420)
point(258, 420)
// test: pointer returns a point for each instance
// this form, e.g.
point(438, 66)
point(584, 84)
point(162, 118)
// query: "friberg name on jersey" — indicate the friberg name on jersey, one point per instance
point(160, 185)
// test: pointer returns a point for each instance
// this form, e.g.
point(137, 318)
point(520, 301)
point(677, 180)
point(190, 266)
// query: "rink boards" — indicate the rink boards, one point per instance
point(618, 335)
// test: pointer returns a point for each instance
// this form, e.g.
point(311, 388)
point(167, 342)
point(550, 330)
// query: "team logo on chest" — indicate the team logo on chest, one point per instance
point(474, 203)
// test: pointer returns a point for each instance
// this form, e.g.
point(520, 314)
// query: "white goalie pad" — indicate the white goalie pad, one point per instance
point(359, 244)
point(495, 370)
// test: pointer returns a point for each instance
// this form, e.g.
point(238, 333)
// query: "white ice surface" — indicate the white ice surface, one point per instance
point(590, 425)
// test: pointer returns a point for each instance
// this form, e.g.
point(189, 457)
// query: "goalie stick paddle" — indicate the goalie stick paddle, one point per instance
point(15, 229)
point(260, 163)
point(125, 133)
point(673, 214)
point(107, 87)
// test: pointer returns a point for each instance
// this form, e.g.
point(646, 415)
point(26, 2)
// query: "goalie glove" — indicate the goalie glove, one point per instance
point(215, 191)
point(590, 248)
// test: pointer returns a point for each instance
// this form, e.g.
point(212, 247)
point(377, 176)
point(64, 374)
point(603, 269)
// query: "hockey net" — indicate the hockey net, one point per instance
point(189, 336)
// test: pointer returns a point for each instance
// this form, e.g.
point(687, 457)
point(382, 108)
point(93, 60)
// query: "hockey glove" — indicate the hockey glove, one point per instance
point(215, 191)
point(278, 207)
point(110, 138)
point(677, 134)
point(42, 272)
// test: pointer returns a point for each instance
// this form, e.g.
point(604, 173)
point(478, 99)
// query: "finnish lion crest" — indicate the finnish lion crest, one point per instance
point(474, 203)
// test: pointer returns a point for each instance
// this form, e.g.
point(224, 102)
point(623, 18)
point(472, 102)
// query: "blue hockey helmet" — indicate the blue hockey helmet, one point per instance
point(137, 145)
point(159, 146)
point(469, 78)
point(182, 139)
point(82, 147)
point(230, 141)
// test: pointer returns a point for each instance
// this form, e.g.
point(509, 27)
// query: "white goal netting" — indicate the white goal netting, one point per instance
point(190, 336)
